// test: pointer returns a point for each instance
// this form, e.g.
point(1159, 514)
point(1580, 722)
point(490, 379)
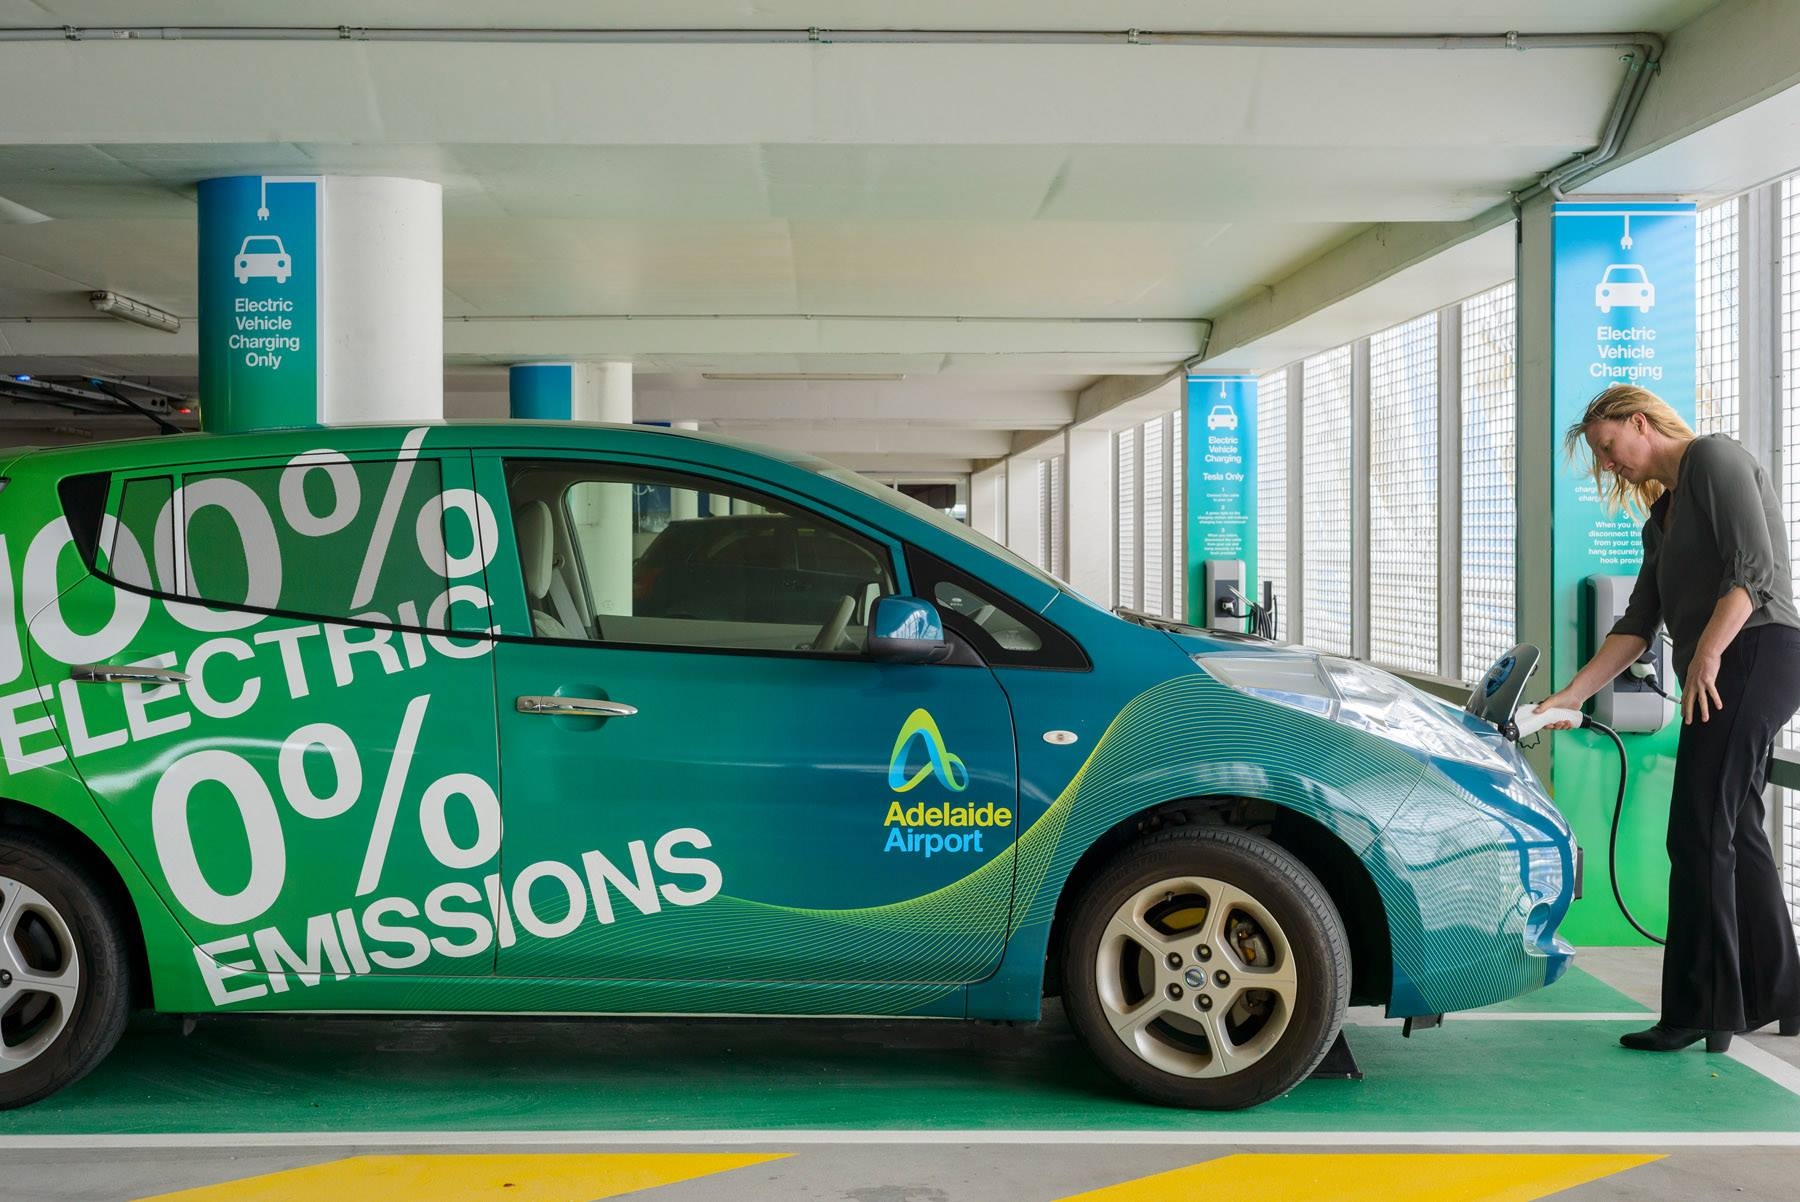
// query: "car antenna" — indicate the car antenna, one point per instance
point(165, 425)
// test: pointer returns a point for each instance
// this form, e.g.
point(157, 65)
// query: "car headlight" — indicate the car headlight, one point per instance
point(1356, 695)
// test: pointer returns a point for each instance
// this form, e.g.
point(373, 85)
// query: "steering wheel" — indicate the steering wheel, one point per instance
point(832, 633)
point(980, 617)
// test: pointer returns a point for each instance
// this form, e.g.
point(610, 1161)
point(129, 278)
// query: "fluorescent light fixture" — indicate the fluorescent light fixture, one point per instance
point(806, 376)
point(14, 213)
point(126, 309)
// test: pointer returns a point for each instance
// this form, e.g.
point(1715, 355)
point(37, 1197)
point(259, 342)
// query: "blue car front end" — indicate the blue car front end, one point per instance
point(1476, 868)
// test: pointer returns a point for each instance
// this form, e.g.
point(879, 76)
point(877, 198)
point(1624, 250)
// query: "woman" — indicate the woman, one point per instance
point(1715, 571)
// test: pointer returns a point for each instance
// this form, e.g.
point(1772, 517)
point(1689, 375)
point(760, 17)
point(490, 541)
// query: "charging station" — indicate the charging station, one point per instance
point(1223, 585)
point(1635, 702)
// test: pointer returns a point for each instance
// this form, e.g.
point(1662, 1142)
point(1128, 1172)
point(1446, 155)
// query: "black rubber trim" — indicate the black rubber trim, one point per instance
point(84, 504)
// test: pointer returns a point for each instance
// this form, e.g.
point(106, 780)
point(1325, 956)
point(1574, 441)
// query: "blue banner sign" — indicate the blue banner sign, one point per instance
point(1624, 313)
point(1220, 466)
point(259, 302)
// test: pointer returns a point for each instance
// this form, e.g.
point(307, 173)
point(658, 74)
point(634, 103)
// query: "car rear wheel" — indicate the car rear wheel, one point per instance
point(1206, 968)
point(64, 987)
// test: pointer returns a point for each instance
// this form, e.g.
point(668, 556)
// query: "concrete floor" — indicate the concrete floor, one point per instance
point(895, 1112)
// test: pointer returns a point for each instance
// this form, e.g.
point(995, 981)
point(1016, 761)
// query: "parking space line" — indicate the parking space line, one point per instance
point(1373, 1177)
point(1766, 1063)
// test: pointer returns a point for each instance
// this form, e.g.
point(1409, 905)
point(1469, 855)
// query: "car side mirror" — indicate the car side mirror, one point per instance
point(907, 630)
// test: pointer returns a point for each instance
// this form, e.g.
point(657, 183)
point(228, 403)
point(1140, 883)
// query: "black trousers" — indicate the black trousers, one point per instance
point(1731, 962)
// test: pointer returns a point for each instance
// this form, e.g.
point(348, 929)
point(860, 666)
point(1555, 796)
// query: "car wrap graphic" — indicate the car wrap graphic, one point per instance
point(304, 800)
point(922, 729)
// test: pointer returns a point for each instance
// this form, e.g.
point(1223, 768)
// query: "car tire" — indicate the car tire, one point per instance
point(1149, 927)
point(58, 929)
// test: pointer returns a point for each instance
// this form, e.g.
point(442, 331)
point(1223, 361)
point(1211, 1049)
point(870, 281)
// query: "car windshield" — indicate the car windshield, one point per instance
point(262, 244)
point(941, 520)
point(1624, 273)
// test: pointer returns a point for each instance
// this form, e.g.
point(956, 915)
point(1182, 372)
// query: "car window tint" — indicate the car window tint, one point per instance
point(981, 608)
point(141, 540)
point(617, 554)
point(333, 538)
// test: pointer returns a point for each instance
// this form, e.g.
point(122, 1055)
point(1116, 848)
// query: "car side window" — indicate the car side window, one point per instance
point(1003, 631)
point(618, 554)
point(337, 539)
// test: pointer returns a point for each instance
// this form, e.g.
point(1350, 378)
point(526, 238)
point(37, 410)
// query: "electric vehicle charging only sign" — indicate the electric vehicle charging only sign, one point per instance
point(259, 290)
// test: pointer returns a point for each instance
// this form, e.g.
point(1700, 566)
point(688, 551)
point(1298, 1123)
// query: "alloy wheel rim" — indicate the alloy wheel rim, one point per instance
point(40, 974)
point(1196, 977)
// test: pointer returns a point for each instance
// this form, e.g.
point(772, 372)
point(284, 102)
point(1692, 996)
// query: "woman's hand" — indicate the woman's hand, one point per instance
point(1558, 701)
point(1700, 691)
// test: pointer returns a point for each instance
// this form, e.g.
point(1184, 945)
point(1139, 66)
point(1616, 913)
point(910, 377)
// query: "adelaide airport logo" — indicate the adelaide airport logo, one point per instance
point(920, 727)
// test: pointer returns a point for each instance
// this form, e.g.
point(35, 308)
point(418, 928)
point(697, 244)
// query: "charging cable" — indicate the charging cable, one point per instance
point(1529, 720)
point(1262, 617)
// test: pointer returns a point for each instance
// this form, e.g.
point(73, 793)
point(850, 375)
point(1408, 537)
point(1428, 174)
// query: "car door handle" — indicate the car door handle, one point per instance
point(125, 674)
point(575, 707)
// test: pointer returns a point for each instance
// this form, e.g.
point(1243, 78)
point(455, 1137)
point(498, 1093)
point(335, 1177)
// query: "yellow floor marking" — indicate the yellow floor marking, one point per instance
point(466, 1178)
point(1372, 1177)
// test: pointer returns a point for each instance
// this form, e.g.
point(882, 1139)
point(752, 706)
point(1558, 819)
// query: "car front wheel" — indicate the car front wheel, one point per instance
point(64, 988)
point(1206, 968)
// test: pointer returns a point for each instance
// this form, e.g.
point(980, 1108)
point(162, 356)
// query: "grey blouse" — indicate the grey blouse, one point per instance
point(1727, 531)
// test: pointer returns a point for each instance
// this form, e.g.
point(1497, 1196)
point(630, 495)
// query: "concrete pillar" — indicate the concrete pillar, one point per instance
point(1533, 467)
point(1022, 517)
point(986, 498)
point(684, 502)
point(321, 300)
point(1091, 510)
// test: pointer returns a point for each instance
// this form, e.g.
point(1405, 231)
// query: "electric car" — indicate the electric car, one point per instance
point(366, 720)
point(262, 256)
point(1625, 286)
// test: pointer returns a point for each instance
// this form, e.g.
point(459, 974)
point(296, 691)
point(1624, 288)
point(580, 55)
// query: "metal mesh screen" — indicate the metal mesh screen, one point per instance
point(1716, 301)
point(1271, 491)
point(1053, 519)
point(1403, 508)
point(1178, 569)
point(1489, 505)
point(1325, 390)
point(1155, 519)
point(1790, 485)
point(1125, 536)
point(1043, 547)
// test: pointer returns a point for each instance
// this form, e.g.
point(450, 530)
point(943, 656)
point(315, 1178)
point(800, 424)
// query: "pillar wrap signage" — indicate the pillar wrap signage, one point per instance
point(1220, 465)
point(1623, 313)
point(260, 289)
point(544, 391)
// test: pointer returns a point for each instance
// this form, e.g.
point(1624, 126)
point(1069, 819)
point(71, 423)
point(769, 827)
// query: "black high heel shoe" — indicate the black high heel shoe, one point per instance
point(1665, 1038)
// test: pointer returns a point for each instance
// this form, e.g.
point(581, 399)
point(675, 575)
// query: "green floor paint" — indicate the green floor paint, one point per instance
point(1577, 993)
point(255, 1075)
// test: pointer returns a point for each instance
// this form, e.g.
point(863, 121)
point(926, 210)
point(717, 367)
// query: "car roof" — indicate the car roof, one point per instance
point(521, 434)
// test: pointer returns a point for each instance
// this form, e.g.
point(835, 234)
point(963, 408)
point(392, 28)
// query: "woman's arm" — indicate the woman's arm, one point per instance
point(1618, 651)
point(1700, 691)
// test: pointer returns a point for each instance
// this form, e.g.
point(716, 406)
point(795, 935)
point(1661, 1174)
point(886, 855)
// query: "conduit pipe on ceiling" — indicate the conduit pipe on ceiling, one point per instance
point(1643, 51)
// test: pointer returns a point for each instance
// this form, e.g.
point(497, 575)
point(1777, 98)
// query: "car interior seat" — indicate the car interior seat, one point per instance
point(554, 614)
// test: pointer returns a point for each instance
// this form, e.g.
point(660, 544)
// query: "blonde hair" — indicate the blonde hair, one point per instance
point(1616, 404)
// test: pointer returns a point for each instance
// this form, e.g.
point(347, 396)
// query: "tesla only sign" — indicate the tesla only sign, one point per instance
point(1220, 468)
point(259, 292)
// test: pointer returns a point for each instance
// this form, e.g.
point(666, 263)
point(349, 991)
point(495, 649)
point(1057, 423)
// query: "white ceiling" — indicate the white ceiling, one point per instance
point(985, 219)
